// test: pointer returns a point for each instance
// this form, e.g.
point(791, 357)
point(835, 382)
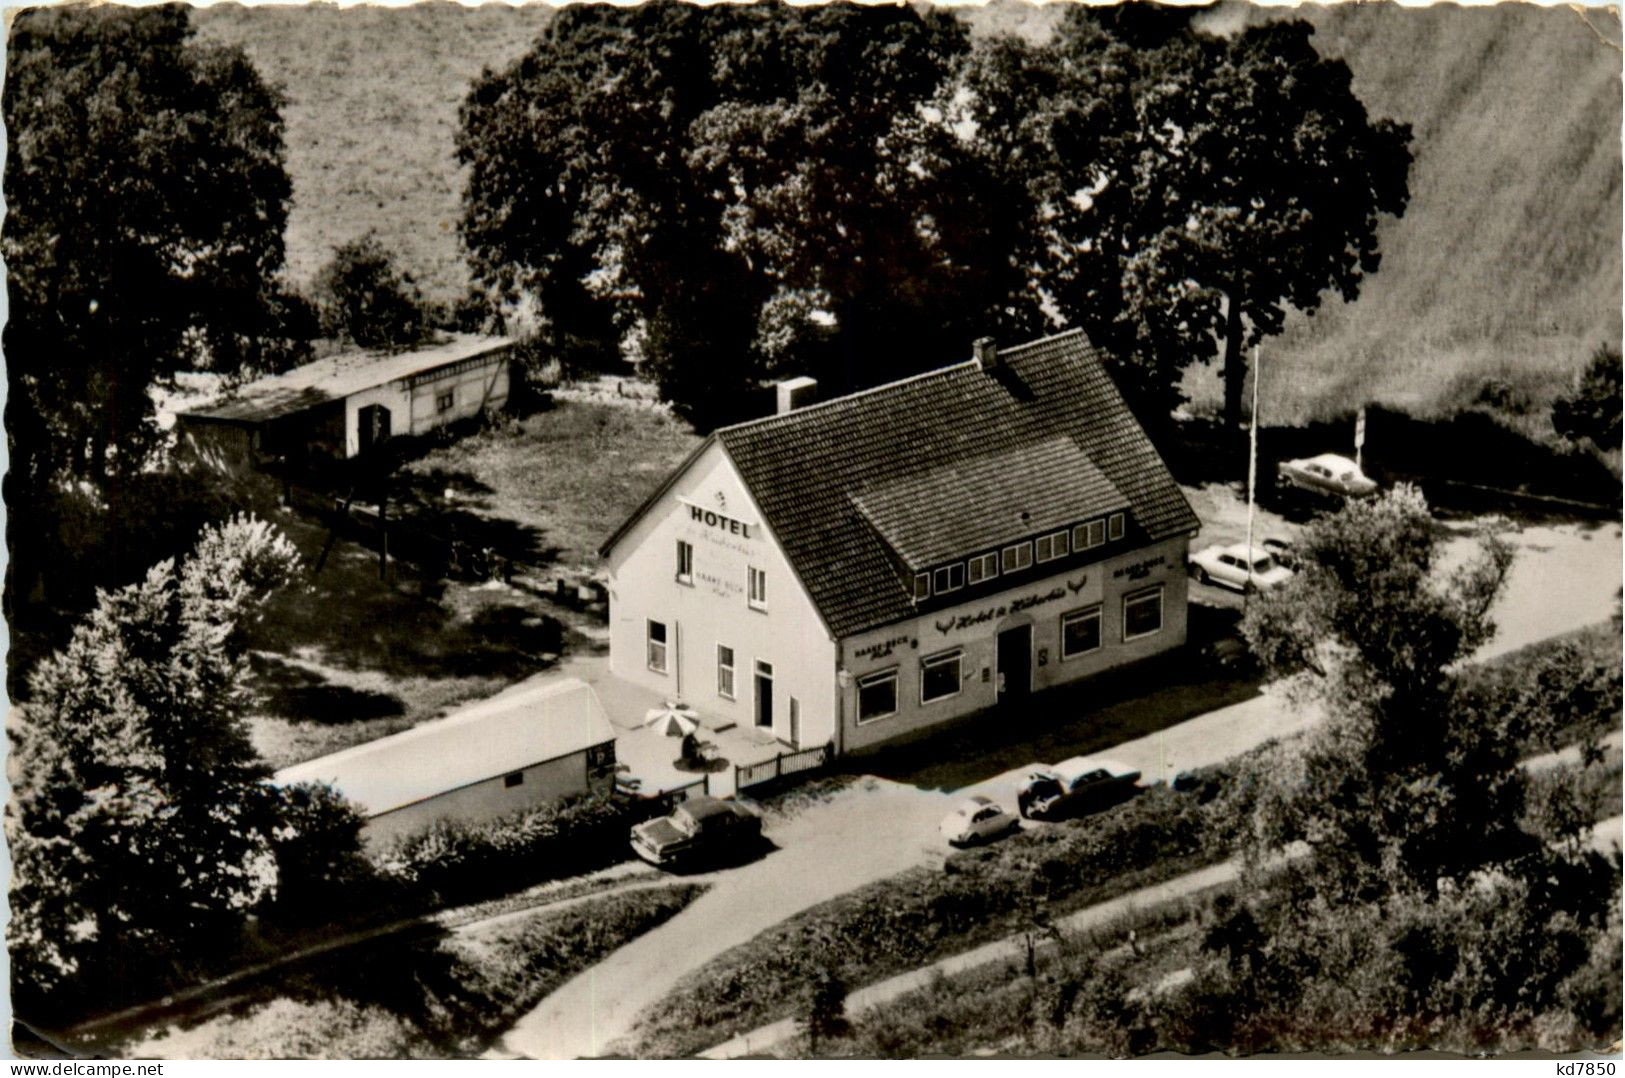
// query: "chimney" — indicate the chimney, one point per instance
point(986, 350)
point(795, 393)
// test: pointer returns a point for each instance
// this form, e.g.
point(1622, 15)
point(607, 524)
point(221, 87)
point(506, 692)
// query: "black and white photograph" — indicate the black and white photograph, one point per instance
point(818, 531)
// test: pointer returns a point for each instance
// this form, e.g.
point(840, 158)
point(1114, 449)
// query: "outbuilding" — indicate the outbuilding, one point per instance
point(514, 751)
point(347, 405)
point(862, 570)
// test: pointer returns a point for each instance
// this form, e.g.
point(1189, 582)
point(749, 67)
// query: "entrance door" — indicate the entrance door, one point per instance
point(374, 424)
point(1015, 663)
point(764, 693)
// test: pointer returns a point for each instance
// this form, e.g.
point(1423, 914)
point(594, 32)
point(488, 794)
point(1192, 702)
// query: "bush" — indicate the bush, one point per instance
point(325, 1029)
point(452, 863)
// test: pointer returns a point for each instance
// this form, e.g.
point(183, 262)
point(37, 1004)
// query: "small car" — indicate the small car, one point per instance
point(1238, 566)
point(977, 819)
point(1081, 782)
point(699, 829)
point(1327, 474)
point(1282, 551)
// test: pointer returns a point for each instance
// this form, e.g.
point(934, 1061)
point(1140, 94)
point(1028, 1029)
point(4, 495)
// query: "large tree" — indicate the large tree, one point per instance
point(145, 204)
point(141, 830)
point(1182, 188)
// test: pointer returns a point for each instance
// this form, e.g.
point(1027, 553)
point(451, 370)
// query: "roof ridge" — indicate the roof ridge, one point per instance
point(848, 397)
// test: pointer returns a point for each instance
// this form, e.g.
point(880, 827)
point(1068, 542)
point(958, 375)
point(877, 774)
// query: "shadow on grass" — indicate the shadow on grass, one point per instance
point(1087, 716)
point(299, 695)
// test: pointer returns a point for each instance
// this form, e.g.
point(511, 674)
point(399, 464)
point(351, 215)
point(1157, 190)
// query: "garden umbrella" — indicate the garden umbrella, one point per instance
point(673, 719)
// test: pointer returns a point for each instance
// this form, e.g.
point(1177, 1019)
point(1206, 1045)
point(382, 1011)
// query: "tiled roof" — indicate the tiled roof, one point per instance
point(337, 377)
point(969, 506)
point(894, 447)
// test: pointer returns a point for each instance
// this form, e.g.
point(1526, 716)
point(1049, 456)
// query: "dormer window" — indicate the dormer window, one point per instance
point(1051, 546)
point(1115, 525)
point(983, 567)
point(922, 586)
point(1090, 535)
point(1018, 557)
point(949, 578)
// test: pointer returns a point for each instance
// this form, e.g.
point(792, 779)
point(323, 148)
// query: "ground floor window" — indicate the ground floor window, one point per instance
point(1142, 613)
point(657, 646)
point(725, 671)
point(877, 695)
point(1080, 632)
point(939, 676)
point(444, 401)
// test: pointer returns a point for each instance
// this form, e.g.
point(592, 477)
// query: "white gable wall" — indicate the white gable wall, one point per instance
point(709, 507)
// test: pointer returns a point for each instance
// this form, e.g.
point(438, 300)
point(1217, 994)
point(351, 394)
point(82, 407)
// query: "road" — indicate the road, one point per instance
point(1565, 578)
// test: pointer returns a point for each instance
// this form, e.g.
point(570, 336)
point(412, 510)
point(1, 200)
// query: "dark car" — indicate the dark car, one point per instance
point(1074, 785)
point(700, 829)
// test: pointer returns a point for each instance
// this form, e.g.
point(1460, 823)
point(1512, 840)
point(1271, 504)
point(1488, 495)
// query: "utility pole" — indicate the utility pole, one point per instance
point(1252, 477)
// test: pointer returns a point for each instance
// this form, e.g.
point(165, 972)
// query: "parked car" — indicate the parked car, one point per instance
point(699, 829)
point(1282, 551)
point(1327, 474)
point(978, 819)
point(1083, 782)
point(1238, 566)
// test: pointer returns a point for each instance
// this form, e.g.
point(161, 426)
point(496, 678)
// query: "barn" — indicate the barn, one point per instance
point(348, 405)
point(862, 570)
point(515, 751)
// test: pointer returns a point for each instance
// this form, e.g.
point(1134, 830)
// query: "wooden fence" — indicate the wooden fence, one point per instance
point(781, 766)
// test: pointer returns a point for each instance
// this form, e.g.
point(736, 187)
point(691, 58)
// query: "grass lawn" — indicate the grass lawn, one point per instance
point(565, 477)
point(443, 997)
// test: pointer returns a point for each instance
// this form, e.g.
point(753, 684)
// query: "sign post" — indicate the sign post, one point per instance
point(1359, 437)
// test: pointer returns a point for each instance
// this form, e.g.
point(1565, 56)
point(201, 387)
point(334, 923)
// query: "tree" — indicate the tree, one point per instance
point(141, 829)
point(1177, 190)
point(146, 200)
point(1592, 410)
point(364, 297)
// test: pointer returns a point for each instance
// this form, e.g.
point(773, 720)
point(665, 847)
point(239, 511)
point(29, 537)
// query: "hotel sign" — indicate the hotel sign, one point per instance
point(720, 521)
point(1014, 606)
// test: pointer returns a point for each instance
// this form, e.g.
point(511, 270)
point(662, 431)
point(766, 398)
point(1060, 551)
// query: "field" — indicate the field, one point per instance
point(1506, 267)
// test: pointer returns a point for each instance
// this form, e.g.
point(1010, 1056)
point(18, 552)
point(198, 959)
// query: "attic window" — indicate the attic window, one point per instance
point(922, 586)
point(949, 578)
point(1087, 536)
point(1018, 557)
point(984, 567)
point(1114, 527)
point(1052, 546)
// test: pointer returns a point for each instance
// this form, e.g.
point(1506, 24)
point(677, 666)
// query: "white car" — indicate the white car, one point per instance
point(977, 819)
point(1327, 473)
point(1076, 784)
point(1240, 567)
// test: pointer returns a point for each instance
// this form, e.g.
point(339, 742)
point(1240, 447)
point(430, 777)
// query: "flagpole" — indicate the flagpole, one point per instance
point(1252, 477)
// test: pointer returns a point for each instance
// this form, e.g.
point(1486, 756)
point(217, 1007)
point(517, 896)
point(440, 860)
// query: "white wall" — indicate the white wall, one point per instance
point(973, 627)
point(393, 395)
point(480, 389)
point(713, 609)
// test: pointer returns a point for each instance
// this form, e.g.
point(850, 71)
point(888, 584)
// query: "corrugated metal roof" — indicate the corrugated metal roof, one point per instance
point(807, 469)
point(480, 742)
point(974, 505)
point(337, 377)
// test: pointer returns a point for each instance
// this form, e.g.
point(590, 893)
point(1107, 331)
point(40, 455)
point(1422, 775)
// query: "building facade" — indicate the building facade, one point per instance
point(516, 751)
point(862, 570)
point(347, 405)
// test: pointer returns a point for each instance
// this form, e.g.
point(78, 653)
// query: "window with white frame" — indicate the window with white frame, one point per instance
point(685, 562)
point(1080, 632)
point(1115, 525)
point(948, 578)
point(443, 402)
point(657, 646)
point(1086, 536)
point(1142, 613)
point(758, 588)
point(877, 695)
point(1052, 546)
point(922, 585)
point(725, 671)
point(1018, 557)
point(984, 567)
point(940, 676)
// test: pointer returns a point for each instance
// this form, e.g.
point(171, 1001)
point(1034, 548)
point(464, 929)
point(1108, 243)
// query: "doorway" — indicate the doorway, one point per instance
point(1015, 663)
point(373, 421)
point(764, 693)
